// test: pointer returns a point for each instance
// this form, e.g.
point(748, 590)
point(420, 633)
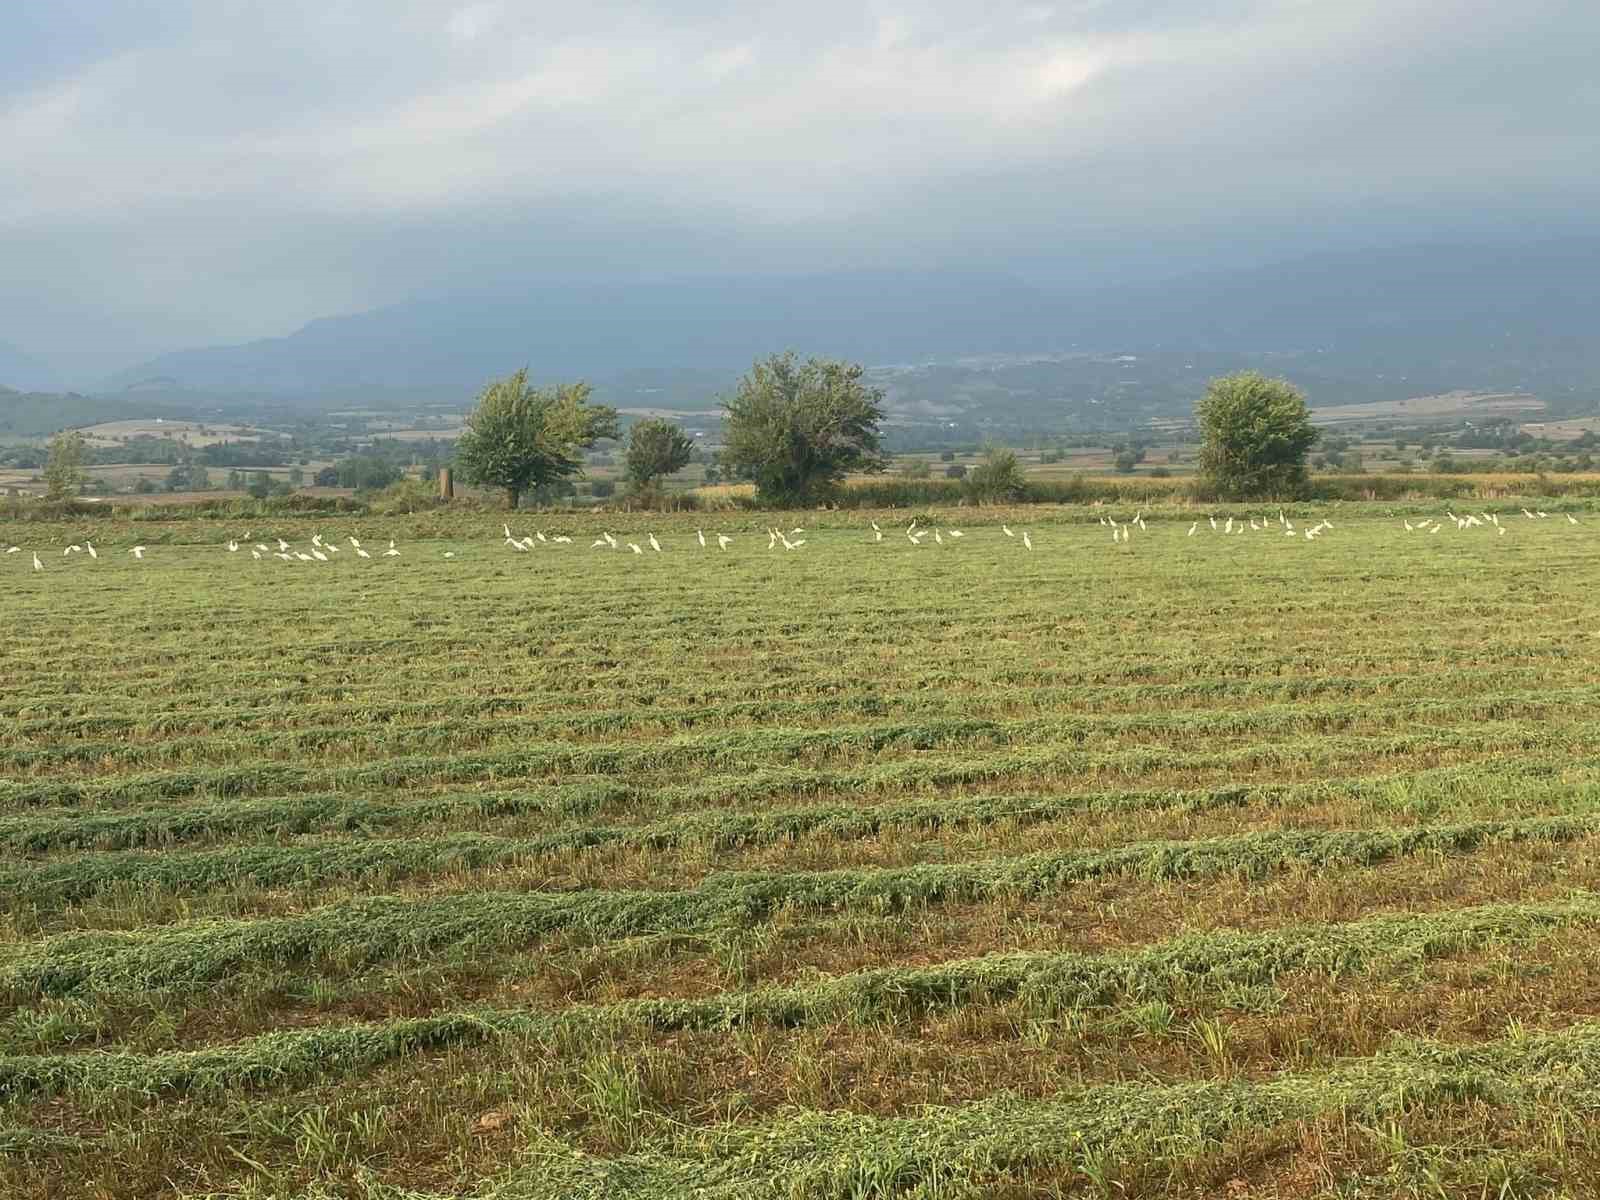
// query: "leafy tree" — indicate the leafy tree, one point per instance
point(367, 473)
point(327, 477)
point(63, 470)
point(1257, 433)
point(656, 448)
point(799, 427)
point(1125, 462)
point(521, 437)
point(998, 478)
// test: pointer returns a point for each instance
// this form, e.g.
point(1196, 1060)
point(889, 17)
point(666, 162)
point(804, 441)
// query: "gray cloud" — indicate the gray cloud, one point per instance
point(191, 172)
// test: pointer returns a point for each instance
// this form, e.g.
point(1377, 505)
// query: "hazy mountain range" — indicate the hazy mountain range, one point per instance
point(1382, 324)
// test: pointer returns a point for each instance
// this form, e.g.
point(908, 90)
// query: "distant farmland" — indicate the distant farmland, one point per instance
point(1224, 864)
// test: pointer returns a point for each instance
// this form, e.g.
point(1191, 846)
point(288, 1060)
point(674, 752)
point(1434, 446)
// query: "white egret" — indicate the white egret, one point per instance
point(1006, 529)
point(723, 541)
point(449, 553)
point(772, 538)
point(1192, 528)
point(563, 539)
point(655, 545)
point(320, 556)
point(634, 546)
point(1228, 528)
point(93, 553)
point(391, 552)
point(37, 565)
point(72, 550)
point(354, 545)
point(15, 550)
point(939, 540)
point(1213, 522)
point(233, 547)
point(539, 533)
point(598, 544)
point(701, 535)
point(610, 541)
point(255, 554)
point(506, 529)
point(302, 556)
point(1027, 541)
point(1541, 514)
point(137, 552)
point(282, 545)
point(1571, 520)
point(955, 533)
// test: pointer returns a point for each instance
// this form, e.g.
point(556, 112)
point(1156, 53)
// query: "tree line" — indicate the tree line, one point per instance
point(796, 428)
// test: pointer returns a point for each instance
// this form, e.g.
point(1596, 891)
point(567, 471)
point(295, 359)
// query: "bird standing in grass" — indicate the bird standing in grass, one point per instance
point(723, 541)
point(138, 553)
point(37, 565)
point(1027, 541)
point(701, 535)
point(655, 545)
point(1006, 529)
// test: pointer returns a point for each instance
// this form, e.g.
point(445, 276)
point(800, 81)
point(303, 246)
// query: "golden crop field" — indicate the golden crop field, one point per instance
point(1241, 864)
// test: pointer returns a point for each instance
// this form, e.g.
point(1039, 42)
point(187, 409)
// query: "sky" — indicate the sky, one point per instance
point(177, 173)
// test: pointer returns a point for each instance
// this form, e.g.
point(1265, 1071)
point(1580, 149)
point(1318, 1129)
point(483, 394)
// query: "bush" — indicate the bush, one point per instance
point(600, 489)
point(955, 471)
point(997, 479)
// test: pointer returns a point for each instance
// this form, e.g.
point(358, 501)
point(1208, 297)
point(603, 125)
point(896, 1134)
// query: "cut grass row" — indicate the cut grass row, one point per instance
point(1087, 1134)
point(741, 752)
point(46, 887)
point(1213, 967)
point(826, 737)
point(375, 930)
point(1420, 792)
point(708, 696)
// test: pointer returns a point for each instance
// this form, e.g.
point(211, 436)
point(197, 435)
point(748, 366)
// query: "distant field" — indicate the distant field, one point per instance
point(1444, 405)
point(109, 433)
point(1215, 865)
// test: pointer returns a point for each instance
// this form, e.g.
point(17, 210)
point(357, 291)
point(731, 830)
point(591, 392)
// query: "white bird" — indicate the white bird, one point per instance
point(1116, 536)
point(360, 553)
point(1527, 514)
point(634, 546)
point(330, 547)
point(1102, 519)
point(282, 545)
point(302, 556)
point(1026, 540)
point(796, 532)
point(655, 545)
point(93, 553)
point(1126, 533)
point(37, 565)
point(563, 539)
point(137, 552)
point(316, 540)
point(1571, 520)
point(391, 552)
point(1228, 528)
point(610, 541)
point(772, 538)
point(1407, 524)
point(354, 545)
point(539, 533)
point(1006, 529)
point(701, 535)
point(598, 544)
point(233, 547)
point(1541, 514)
point(72, 550)
point(937, 538)
point(877, 535)
point(723, 541)
point(1254, 524)
point(1192, 528)
point(15, 550)
point(449, 553)
point(320, 556)
point(285, 557)
point(1502, 530)
point(956, 533)
point(1213, 522)
point(794, 545)
point(507, 530)
point(511, 541)
point(875, 528)
point(255, 554)
point(265, 549)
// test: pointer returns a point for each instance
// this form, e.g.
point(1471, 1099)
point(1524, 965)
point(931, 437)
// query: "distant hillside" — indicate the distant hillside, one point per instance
point(39, 414)
point(23, 372)
point(1353, 327)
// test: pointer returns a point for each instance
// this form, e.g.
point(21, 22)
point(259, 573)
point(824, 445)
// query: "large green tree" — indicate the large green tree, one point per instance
point(63, 470)
point(521, 437)
point(656, 448)
point(1257, 433)
point(798, 428)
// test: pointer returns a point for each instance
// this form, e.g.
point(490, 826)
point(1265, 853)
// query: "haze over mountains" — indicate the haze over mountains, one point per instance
point(1497, 316)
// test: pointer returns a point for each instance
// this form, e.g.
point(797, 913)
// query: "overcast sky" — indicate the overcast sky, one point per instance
point(180, 173)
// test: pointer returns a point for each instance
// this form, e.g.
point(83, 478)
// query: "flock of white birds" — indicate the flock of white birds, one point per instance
point(322, 550)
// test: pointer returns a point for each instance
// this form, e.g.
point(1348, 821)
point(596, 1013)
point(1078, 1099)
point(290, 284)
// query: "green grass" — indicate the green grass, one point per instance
point(863, 870)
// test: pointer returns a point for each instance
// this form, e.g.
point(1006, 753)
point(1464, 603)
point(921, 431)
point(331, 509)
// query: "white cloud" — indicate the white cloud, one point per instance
point(910, 128)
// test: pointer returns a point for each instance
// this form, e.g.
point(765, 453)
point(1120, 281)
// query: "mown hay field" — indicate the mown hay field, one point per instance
point(1241, 865)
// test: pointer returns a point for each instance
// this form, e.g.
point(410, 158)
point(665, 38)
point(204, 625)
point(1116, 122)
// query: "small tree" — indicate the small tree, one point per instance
point(997, 479)
point(799, 428)
point(1125, 462)
point(63, 470)
point(1257, 433)
point(521, 437)
point(656, 448)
